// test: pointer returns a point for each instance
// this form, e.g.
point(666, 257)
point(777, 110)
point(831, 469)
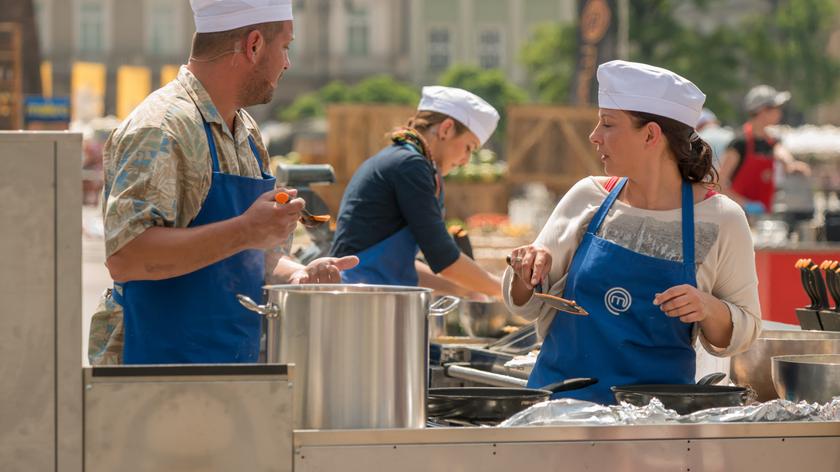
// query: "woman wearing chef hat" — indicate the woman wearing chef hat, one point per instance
point(393, 205)
point(655, 256)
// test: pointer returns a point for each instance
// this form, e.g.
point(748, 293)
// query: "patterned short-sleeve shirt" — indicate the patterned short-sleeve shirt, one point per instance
point(157, 173)
point(157, 162)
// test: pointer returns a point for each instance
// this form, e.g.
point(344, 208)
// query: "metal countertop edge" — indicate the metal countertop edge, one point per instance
point(307, 438)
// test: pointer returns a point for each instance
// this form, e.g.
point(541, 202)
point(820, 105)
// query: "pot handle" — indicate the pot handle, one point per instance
point(268, 310)
point(271, 312)
point(444, 305)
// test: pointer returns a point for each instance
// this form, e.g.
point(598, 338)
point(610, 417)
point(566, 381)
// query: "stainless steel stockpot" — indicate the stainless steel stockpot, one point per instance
point(361, 352)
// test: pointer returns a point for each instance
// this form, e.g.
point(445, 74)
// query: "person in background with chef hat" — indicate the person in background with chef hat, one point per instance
point(189, 208)
point(393, 205)
point(654, 255)
point(748, 172)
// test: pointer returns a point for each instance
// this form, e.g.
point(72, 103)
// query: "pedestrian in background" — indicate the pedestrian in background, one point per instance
point(747, 174)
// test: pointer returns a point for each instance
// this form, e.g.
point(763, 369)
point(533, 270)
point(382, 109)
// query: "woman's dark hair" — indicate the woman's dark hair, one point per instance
point(694, 157)
point(425, 119)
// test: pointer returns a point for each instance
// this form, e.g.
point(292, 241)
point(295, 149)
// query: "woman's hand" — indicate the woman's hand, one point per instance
point(686, 303)
point(530, 265)
point(691, 305)
point(325, 270)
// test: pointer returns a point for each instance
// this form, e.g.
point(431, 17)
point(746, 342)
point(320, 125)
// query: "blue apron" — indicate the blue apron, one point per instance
point(626, 339)
point(195, 318)
point(390, 261)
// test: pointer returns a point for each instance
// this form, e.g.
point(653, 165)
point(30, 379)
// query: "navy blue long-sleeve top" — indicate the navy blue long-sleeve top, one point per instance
point(390, 191)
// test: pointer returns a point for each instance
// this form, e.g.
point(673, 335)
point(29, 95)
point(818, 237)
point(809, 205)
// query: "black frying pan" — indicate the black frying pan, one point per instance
point(493, 403)
point(684, 399)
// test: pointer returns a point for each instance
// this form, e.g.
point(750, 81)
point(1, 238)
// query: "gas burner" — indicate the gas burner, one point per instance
point(432, 422)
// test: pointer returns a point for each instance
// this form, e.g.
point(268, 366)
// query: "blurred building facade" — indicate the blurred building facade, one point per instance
point(412, 40)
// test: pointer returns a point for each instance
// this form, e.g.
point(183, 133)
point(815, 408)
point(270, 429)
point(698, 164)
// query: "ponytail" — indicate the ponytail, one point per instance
point(694, 156)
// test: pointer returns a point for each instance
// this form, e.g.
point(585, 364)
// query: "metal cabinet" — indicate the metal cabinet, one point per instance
point(188, 418)
point(40, 302)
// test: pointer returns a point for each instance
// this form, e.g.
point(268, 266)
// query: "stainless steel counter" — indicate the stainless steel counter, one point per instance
point(706, 447)
point(188, 418)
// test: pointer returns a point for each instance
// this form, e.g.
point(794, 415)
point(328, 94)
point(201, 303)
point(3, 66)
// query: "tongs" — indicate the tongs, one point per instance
point(306, 218)
point(558, 303)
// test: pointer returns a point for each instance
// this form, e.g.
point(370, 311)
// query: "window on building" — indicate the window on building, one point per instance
point(439, 48)
point(42, 23)
point(490, 49)
point(358, 31)
point(91, 23)
point(163, 32)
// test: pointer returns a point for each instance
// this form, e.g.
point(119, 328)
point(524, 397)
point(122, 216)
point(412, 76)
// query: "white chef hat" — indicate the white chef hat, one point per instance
point(224, 15)
point(632, 86)
point(468, 108)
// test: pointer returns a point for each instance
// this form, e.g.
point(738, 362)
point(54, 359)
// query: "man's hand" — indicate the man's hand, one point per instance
point(798, 167)
point(269, 224)
point(323, 271)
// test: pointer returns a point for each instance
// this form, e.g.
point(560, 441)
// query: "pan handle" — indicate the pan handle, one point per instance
point(474, 375)
point(570, 384)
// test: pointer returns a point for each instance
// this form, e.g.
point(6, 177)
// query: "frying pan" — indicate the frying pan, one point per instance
point(687, 398)
point(493, 403)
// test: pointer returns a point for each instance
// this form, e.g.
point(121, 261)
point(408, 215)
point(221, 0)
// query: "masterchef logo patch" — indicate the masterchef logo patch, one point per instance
point(617, 300)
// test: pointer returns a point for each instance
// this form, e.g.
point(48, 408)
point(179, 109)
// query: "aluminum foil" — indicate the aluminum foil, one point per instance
point(581, 413)
point(522, 362)
point(567, 411)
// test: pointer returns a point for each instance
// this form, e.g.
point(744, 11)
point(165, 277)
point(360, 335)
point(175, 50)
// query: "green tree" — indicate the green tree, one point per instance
point(377, 89)
point(709, 59)
point(549, 58)
point(787, 49)
point(489, 84)
point(383, 89)
point(306, 106)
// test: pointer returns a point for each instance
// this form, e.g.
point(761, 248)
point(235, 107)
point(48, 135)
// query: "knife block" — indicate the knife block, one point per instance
point(809, 319)
point(830, 320)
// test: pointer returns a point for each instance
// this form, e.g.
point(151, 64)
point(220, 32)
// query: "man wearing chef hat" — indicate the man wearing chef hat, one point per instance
point(393, 205)
point(651, 251)
point(189, 204)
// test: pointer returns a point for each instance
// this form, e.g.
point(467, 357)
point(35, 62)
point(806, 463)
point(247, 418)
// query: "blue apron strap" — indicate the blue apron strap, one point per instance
point(255, 151)
point(601, 214)
point(688, 226)
point(212, 143)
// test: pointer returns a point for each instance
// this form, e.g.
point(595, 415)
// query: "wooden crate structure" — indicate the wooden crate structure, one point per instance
point(11, 76)
point(464, 199)
point(550, 145)
point(358, 131)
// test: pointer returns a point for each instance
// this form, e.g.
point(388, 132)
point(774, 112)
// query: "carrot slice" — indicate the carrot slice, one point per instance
point(281, 198)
